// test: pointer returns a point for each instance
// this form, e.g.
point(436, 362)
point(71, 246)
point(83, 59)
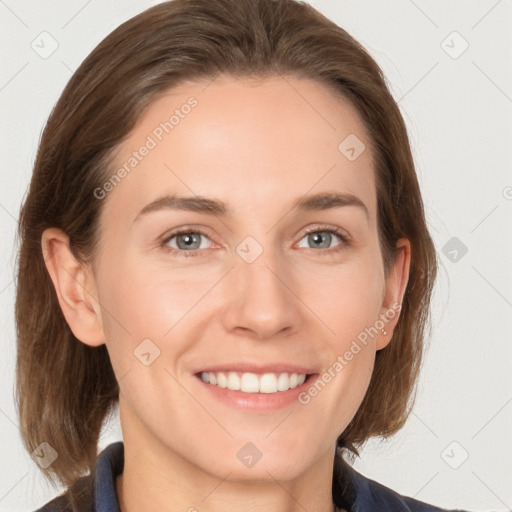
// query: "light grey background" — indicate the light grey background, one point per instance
point(457, 105)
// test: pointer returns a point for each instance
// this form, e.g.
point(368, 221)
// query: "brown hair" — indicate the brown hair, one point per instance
point(65, 388)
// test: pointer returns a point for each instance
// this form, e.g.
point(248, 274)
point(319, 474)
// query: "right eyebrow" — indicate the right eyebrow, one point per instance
point(199, 204)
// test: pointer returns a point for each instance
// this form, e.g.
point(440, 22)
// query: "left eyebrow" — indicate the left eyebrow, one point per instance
point(201, 204)
point(328, 200)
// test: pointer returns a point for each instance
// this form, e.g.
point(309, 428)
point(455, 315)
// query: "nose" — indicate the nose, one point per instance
point(262, 300)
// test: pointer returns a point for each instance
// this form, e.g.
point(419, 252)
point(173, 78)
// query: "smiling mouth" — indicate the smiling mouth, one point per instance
point(249, 382)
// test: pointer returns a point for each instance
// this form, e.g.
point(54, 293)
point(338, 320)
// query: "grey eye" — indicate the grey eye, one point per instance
point(320, 239)
point(185, 241)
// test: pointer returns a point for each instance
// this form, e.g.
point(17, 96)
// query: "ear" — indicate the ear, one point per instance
point(396, 284)
point(75, 287)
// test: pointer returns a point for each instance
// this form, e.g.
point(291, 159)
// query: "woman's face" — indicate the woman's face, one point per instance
point(244, 289)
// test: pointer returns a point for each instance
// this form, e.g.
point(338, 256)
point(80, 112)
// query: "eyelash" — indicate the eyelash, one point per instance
point(345, 241)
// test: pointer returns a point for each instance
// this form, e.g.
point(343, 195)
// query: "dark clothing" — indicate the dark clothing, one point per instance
point(351, 490)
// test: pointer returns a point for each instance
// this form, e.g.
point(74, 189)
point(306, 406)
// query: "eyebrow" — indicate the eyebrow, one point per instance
point(315, 202)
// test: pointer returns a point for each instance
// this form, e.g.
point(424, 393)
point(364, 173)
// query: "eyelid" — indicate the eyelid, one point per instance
point(335, 229)
point(345, 240)
point(164, 239)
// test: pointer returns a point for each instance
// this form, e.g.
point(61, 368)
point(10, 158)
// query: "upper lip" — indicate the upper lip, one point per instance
point(257, 368)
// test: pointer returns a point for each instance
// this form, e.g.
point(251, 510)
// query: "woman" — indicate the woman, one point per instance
point(224, 235)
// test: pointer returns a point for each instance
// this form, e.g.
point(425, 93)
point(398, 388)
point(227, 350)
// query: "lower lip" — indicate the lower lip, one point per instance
point(257, 401)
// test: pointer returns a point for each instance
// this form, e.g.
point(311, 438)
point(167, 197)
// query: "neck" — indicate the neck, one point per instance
point(156, 476)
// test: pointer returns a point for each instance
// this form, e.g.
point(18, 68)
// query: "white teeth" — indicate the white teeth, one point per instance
point(268, 383)
point(249, 383)
point(283, 382)
point(233, 381)
point(222, 380)
point(252, 383)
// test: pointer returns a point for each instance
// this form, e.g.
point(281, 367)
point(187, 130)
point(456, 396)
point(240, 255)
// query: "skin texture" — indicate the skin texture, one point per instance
point(257, 146)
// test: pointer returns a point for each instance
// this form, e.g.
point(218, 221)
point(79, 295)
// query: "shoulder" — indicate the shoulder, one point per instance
point(368, 495)
point(381, 496)
point(78, 498)
point(96, 491)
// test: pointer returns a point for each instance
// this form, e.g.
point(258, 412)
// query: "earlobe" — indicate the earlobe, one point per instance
point(75, 288)
point(396, 284)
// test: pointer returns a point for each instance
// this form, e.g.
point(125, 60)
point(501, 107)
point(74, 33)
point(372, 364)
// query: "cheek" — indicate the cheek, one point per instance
point(347, 298)
point(141, 302)
point(146, 300)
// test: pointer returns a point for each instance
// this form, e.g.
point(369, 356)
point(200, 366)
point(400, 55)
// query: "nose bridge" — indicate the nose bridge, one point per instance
point(263, 301)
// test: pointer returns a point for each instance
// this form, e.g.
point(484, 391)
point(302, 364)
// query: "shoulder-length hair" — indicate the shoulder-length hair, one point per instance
point(65, 389)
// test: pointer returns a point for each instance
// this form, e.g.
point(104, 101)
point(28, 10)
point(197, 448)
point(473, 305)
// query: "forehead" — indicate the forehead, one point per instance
point(253, 143)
